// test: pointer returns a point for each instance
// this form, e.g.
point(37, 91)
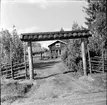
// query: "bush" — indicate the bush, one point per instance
point(71, 56)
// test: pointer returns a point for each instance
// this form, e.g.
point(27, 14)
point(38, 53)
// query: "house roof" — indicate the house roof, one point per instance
point(56, 42)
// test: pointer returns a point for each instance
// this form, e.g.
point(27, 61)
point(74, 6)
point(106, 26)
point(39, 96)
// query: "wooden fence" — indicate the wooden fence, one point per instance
point(19, 70)
point(15, 71)
point(98, 64)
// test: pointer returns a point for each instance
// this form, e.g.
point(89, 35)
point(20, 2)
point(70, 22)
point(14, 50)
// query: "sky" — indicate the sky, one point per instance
point(42, 15)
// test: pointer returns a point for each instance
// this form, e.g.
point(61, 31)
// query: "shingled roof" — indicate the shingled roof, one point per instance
point(42, 36)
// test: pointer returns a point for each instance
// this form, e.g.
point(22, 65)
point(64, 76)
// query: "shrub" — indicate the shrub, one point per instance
point(71, 56)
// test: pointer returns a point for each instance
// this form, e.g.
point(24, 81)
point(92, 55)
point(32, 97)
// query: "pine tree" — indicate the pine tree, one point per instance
point(96, 19)
point(12, 47)
point(96, 22)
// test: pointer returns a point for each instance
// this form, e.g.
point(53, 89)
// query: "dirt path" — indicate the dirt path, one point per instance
point(46, 68)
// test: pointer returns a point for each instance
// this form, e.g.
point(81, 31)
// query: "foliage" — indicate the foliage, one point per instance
point(17, 46)
point(37, 48)
point(13, 90)
point(72, 53)
point(6, 39)
point(96, 22)
point(11, 47)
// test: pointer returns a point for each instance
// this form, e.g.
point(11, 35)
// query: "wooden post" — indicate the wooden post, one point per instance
point(41, 55)
point(12, 72)
point(30, 60)
point(11, 62)
point(83, 50)
point(89, 60)
point(103, 59)
point(25, 61)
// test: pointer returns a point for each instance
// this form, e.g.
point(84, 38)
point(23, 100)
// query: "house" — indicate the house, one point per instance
point(56, 48)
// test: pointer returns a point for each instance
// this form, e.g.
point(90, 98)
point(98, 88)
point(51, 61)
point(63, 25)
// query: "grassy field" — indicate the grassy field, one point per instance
point(51, 82)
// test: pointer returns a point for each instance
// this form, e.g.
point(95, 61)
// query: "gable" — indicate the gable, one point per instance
point(57, 43)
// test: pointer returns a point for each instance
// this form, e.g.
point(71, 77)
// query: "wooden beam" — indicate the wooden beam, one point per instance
point(83, 50)
point(58, 35)
point(30, 61)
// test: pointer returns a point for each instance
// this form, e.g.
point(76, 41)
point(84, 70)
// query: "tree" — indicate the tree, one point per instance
point(96, 22)
point(37, 49)
point(11, 47)
point(17, 46)
point(6, 39)
point(72, 54)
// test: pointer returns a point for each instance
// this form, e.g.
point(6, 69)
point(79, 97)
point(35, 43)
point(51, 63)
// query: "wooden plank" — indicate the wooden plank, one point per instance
point(30, 60)
point(19, 76)
point(42, 36)
point(19, 68)
point(84, 56)
point(90, 67)
point(8, 68)
point(95, 64)
point(97, 71)
point(93, 61)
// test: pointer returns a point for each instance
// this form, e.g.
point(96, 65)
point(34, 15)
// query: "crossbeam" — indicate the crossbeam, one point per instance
point(43, 36)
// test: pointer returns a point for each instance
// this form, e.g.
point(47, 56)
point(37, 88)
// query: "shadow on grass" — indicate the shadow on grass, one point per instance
point(37, 78)
point(44, 65)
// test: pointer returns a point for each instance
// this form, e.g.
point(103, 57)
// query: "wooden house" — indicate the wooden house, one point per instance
point(56, 48)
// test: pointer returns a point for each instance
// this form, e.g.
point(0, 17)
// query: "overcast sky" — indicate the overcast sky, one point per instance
point(42, 15)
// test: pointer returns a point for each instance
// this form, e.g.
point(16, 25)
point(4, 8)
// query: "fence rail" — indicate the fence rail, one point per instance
point(15, 70)
point(98, 64)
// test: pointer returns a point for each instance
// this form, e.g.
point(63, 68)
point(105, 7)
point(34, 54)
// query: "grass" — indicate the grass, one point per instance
point(53, 86)
point(12, 90)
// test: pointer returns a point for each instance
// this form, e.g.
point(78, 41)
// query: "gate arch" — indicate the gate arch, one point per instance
point(56, 35)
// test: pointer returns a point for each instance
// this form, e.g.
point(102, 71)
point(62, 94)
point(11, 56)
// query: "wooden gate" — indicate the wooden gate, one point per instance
point(45, 36)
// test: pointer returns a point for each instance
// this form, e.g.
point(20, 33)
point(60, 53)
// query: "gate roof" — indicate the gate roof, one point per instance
point(43, 36)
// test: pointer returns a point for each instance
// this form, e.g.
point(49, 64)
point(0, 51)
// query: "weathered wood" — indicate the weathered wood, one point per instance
point(89, 60)
point(41, 56)
point(83, 50)
point(30, 61)
point(43, 36)
point(102, 58)
point(25, 61)
point(11, 61)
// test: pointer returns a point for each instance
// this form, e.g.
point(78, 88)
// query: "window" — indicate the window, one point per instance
point(59, 51)
point(57, 44)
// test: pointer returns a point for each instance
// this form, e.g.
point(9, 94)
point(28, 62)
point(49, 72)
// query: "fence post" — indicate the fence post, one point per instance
point(25, 61)
point(12, 72)
point(90, 68)
point(103, 60)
